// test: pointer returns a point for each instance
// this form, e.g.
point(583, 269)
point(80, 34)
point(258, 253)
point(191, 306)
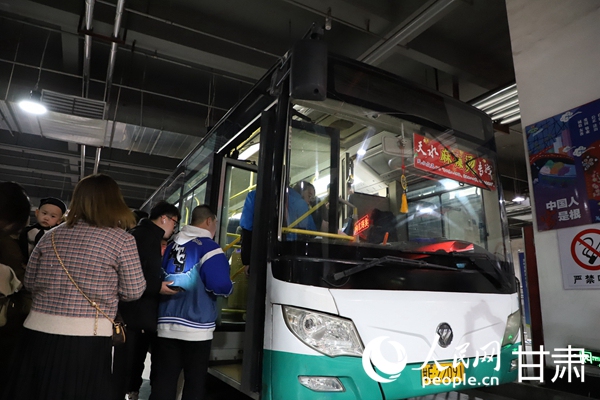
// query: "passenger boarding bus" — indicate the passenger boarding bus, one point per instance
point(392, 279)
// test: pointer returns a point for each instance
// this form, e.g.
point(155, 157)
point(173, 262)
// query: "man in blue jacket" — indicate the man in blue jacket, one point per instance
point(199, 269)
point(297, 207)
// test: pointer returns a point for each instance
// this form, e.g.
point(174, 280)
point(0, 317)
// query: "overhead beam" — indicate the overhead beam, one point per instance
point(73, 177)
point(75, 159)
point(454, 70)
point(199, 57)
point(69, 22)
point(401, 48)
point(421, 20)
point(364, 19)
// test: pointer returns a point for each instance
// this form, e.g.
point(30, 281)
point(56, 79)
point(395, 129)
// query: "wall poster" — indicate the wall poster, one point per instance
point(564, 155)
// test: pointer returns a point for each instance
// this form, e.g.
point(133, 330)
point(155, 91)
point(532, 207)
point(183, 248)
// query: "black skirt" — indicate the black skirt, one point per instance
point(59, 367)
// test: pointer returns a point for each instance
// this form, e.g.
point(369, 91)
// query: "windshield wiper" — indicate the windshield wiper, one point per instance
point(497, 278)
point(378, 261)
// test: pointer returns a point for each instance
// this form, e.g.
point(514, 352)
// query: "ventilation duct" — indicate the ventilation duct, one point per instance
point(73, 105)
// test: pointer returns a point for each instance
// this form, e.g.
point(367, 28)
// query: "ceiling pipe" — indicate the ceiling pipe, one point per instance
point(87, 46)
point(112, 59)
point(188, 28)
point(146, 52)
point(82, 166)
point(97, 160)
point(113, 50)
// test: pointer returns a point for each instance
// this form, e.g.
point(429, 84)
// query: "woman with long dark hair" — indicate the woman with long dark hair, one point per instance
point(14, 214)
point(66, 351)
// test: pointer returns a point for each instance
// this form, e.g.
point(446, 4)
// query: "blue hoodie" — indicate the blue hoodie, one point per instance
point(197, 264)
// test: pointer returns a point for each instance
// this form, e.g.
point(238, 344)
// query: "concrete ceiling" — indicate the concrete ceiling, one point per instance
point(179, 65)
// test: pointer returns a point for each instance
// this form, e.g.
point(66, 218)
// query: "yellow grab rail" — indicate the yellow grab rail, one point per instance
point(316, 233)
point(306, 214)
point(247, 190)
point(239, 271)
point(230, 245)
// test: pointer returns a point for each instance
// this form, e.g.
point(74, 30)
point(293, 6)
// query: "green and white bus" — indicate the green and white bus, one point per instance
point(406, 286)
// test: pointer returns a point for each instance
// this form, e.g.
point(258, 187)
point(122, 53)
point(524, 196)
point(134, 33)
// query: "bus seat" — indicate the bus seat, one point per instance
point(382, 222)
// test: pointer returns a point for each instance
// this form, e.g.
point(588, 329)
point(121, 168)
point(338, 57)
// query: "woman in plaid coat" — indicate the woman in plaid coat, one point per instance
point(66, 351)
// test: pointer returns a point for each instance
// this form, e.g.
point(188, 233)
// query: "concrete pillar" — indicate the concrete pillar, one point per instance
point(556, 52)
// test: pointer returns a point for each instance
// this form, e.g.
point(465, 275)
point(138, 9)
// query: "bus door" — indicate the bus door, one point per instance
point(238, 179)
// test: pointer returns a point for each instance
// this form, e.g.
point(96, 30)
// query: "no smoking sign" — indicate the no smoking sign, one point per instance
point(579, 249)
point(585, 249)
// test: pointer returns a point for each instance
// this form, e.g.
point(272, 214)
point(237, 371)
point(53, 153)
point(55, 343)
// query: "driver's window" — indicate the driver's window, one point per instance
point(308, 184)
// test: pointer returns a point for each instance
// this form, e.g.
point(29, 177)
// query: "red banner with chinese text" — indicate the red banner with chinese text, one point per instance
point(451, 162)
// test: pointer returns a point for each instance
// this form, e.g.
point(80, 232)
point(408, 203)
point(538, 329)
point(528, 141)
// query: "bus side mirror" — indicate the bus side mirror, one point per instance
point(309, 70)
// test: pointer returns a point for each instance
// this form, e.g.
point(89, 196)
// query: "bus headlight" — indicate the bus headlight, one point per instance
point(513, 324)
point(327, 334)
point(322, 383)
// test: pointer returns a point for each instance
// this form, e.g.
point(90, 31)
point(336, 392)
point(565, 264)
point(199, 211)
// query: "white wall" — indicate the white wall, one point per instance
point(556, 52)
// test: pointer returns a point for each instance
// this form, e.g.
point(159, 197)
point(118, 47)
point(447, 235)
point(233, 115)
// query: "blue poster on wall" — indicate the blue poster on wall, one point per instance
point(564, 156)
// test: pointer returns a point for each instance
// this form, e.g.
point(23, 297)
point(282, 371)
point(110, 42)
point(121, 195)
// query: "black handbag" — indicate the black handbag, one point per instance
point(118, 336)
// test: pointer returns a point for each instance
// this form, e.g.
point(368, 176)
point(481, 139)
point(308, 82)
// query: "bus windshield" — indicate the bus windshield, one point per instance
point(399, 184)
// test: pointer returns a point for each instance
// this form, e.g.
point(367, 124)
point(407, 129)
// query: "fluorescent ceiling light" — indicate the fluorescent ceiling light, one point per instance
point(502, 106)
point(249, 152)
point(511, 119)
point(33, 105)
point(513, 101)
point(507, 113)
point(518, 198)
point(497, 97)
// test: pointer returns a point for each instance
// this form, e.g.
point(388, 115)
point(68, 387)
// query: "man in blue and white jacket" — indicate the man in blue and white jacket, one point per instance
point(199, 269)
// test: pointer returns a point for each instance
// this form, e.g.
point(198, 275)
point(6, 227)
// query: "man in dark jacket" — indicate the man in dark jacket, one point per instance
point(140, 316)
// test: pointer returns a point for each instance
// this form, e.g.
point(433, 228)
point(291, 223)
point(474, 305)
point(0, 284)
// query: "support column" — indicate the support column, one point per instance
point(556, 55)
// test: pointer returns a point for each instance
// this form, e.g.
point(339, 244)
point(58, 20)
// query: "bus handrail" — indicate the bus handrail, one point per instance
point(306, 214)
point(317, 233)
point(230, 245)
point(248, 189)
